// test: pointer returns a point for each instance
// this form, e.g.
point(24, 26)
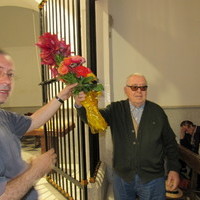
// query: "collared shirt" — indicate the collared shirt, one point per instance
point(136, 112)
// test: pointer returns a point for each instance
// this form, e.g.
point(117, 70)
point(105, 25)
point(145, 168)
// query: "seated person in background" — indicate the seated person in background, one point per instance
point(190, 136)
point(190, 139)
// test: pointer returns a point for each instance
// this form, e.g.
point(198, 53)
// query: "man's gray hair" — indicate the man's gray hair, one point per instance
point(135, 74)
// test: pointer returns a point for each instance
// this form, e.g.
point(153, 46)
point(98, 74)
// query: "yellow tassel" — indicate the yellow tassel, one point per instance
point(95, 120)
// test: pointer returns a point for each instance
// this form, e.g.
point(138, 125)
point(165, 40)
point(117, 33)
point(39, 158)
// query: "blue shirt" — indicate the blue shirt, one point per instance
point(12, 128)
point(136, 112)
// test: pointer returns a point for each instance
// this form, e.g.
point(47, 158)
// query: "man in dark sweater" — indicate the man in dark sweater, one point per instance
point(142, 141)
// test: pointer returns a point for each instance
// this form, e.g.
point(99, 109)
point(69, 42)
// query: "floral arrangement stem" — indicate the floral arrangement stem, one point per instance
point(96, 122)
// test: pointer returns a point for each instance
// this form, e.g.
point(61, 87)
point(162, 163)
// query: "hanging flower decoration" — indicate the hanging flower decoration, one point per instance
point(67, 68)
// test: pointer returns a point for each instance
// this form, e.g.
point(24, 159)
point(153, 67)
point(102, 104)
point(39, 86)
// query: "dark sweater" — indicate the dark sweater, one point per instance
point(145, 154)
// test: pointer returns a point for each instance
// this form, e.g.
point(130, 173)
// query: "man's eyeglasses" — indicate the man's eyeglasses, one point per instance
point(135, 88)
point(10, 75)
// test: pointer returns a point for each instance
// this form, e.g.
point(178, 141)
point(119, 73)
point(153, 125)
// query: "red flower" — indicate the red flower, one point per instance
point(47, 58)
point(70, 61)
point(63, 69)
point(54, 71)
point(67, 61)
point(64, 49)
point(78, 59)
point(81, 71)
point(51, 48)
point(57, 55)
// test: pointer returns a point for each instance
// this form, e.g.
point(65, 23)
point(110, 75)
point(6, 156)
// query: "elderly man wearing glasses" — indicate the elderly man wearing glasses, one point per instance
point(142, 141)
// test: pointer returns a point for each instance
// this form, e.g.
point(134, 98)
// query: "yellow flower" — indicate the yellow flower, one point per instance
point(92, 75)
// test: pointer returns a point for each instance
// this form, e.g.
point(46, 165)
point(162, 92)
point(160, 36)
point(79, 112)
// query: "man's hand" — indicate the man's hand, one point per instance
point(173, 180)
point(16, 188)
point(67, 91)
point(80, 97)
point(43, 163)
point(182, 132)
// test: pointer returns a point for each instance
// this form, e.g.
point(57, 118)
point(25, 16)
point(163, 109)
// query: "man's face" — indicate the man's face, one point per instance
point(138, 97)
point(188, 129)
point(6, 77)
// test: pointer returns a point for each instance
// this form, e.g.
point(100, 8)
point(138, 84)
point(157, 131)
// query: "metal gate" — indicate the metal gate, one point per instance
point(77, 149)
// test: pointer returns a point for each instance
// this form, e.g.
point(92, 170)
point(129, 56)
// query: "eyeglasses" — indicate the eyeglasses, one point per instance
point(10, 75)
point(135, 88)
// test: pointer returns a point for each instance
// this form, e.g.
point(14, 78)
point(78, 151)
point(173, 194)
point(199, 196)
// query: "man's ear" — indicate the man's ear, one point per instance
point(125, 90)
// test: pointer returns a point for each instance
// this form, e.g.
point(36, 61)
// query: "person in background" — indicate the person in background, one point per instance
point(17, 178)
point(142, 139)
point(190, 136)
point(190, 139)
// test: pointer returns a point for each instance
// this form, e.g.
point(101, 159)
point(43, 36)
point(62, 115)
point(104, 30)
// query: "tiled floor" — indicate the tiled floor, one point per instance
point(45, 190)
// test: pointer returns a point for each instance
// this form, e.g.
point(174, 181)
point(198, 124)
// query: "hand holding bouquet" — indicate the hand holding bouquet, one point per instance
point(67, 68)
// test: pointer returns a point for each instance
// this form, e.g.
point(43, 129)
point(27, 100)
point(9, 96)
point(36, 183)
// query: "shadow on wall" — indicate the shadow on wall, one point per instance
point(160, 40)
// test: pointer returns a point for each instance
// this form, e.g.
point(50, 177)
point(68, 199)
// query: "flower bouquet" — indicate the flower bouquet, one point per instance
point(67, 68)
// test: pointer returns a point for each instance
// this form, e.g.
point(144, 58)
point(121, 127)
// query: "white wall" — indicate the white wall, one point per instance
point(19, 33)
point(160, 39)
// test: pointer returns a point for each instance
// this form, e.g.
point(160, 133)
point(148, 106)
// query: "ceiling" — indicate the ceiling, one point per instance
point(31, 4)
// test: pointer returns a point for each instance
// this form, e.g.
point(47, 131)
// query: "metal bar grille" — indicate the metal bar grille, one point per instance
point(78, 151)
point(91, 58)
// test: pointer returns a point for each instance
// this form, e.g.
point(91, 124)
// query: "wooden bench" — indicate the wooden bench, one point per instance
point(40, 133)
point(193, 161)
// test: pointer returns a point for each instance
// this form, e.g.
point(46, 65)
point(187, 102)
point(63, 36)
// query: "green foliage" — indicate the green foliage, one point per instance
point(70, 78)
point(85, 84)
point(58, 58)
